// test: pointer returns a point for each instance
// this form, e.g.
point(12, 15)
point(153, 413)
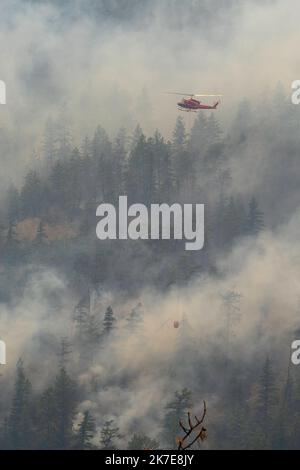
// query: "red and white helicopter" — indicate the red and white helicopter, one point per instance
point(191, 104)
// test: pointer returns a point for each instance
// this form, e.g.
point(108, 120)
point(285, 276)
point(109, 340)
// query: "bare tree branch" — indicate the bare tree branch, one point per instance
point(185, 443)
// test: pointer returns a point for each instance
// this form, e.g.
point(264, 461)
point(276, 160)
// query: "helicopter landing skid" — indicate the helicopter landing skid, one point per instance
point(187, 110)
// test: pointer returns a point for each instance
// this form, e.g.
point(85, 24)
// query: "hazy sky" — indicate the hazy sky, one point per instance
point(113, 71)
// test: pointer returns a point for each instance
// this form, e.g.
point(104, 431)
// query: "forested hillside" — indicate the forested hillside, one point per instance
point(111, 342)
point(97, 308)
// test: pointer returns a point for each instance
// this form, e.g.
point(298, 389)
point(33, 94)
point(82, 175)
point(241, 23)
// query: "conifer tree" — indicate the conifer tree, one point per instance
point(254, 220)
point(109, 321)
point(12, 246)
point(137, 134)
point(74, 193)
point(65, 397)
point(285, 427)
point(213, 130)
point(137, 171)
point(231, 309)
point(135, 319)
point(102, 155)
point(63, 134)
point(268, 396)
point(12, 236)
point(176, 410)
point(86, 147)
point(81, 315)
point(41, 234)
point(65, 351)
point(86, 432)
point(31, 195)
point(179, 134)
point(13, 204)
point(49, 143)
point(199, 134)
point(164, 172)
point(58, 185)
point(19, 423)
point(142, 442)
point(233, 220)
point(119, 160)
point(47, 424)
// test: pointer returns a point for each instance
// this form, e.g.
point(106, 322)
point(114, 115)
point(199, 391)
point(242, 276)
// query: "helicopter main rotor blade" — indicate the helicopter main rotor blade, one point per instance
point(207, 95)
point(175, 93)
point(189, 94)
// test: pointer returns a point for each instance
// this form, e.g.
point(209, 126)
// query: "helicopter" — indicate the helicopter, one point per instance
point(191, 103)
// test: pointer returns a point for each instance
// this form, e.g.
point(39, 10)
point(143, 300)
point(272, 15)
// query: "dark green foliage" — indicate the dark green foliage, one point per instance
point(65, 398)
point(255, 220)
point(13, 204)
point(175, 411)
point(19, 428)
point(179, 134)
point(86, 432)
point(31, 195)
point(233, 221)
point(72, 182)
point(267, 397)
point(258, 412)
point(231, 311)
point(109, 321)
point(88, 328)
point(12, 236)
point(140, 176)
point(135, 318)
point(47, 425)
point(142, 442)
point(41, 235)
point(45, 421)
point(49, 143)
